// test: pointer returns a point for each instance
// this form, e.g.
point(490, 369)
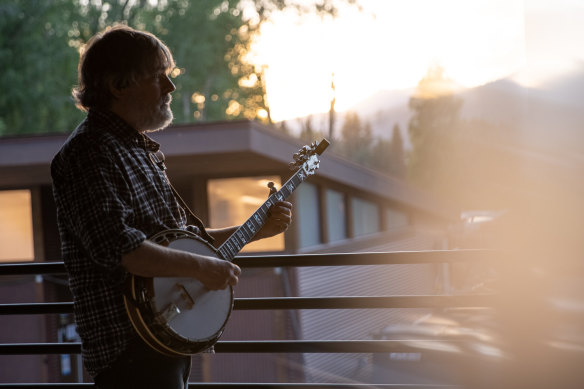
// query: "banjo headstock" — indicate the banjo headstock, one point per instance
point(307, 157)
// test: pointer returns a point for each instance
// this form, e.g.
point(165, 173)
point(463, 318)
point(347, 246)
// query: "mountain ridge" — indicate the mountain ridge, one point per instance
point(557, 106)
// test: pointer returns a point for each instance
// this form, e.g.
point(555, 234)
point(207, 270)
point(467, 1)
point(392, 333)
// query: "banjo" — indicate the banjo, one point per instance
point(179, 316)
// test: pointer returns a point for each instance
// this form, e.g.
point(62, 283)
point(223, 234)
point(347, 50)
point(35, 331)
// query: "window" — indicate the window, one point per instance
point(308, 214)
point(233, 200)
point(336, 215)
point(16, 237)
point(395, 218)
point(365, 217)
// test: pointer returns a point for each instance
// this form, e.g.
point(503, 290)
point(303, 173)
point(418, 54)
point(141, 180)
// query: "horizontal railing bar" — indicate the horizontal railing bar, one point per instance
point(299, 260)
point(352, 302)
point(32, 268)
point(324, 346)
point(315, 386)
point(39, 348)
point(258, 346)
point(236, 385)
point(36, 308)
point(220, 385)
point(353, 259)
point(361, 302)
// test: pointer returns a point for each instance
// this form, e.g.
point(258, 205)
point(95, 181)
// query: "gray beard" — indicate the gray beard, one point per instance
point(154, 119)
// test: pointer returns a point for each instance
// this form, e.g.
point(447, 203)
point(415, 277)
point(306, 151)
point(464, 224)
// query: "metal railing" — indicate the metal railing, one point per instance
point(280, 346)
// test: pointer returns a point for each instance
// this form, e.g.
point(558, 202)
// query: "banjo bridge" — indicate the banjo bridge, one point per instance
point(184, 294)
point(185, 302)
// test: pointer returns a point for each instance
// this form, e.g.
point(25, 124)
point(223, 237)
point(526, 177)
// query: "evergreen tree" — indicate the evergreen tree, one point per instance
point(397, 153)
point(308, 133)
point(434, 129)
point(282, 127)
point(356, 140)
point(388, 155)
point(380, 155)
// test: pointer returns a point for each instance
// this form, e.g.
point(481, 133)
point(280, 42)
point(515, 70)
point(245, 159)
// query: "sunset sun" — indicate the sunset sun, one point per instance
point(386, 46)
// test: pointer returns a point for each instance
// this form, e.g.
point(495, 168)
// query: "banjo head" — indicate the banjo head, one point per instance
point(178, 315)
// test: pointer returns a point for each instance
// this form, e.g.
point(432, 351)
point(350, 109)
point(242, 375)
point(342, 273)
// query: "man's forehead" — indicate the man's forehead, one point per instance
point(160, 63)
point(164, 62)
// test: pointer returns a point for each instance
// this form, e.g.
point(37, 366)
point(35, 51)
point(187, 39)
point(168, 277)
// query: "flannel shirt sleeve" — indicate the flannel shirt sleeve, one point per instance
point(96, 202)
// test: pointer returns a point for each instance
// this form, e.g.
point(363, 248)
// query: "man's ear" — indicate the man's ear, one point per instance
point(114, 90)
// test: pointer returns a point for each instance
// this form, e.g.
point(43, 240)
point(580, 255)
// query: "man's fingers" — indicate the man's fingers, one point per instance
point(219, 274)
point(234, 274)
point(281, 210)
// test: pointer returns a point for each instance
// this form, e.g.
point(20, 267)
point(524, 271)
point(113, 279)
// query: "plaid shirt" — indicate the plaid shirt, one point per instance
point(110, 197)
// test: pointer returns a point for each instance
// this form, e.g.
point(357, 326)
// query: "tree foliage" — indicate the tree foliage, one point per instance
point(388, 155)
point(38, 66)
point(463, 163)
point(40, 43)
point(356, 139)
point(435, 133)
point(357, 143)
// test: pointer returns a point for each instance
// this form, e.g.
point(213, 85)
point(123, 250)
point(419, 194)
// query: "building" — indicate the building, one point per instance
point(222, 170)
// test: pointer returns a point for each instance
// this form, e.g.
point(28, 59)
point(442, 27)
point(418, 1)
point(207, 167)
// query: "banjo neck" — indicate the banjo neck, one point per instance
point(246, 232)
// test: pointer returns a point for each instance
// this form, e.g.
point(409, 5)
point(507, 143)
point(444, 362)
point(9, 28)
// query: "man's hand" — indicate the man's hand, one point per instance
point(279, 219)
point(153, 260)
point(216, 274)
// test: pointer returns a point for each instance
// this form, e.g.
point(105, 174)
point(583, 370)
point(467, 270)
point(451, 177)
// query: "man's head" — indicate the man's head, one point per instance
point(116, 59)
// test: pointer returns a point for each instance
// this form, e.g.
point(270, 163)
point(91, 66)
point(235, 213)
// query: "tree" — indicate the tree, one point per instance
point(388, 155)
point(308, 133)
point(356, 139)
point(40, 43)
point(398, 158)
point(209, 40)
point(282, 127)
point(434, 129)
point(38, 66)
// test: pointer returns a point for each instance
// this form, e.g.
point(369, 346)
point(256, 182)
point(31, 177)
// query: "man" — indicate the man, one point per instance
point(111, 195)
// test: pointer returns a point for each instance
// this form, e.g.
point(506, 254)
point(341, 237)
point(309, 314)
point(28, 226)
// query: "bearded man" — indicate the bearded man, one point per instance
point(111, 195)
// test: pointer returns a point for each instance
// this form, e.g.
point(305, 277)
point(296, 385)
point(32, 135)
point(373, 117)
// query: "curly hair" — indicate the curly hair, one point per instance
point(119, 56)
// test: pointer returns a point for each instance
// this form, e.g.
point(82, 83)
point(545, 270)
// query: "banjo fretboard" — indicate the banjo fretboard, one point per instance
point(245, 233)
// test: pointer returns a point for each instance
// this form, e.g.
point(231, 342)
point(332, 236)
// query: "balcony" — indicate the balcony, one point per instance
point(480, 337)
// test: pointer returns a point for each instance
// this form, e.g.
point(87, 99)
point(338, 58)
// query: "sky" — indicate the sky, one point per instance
point(390, 45)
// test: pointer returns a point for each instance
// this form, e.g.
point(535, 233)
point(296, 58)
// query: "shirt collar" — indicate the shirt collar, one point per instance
point(118, 127)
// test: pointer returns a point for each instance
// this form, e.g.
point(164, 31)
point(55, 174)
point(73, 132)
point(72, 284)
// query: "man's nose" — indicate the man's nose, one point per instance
point(168, 85)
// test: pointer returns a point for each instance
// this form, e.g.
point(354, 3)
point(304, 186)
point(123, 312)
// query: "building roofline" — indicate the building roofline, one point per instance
point(32, 154)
